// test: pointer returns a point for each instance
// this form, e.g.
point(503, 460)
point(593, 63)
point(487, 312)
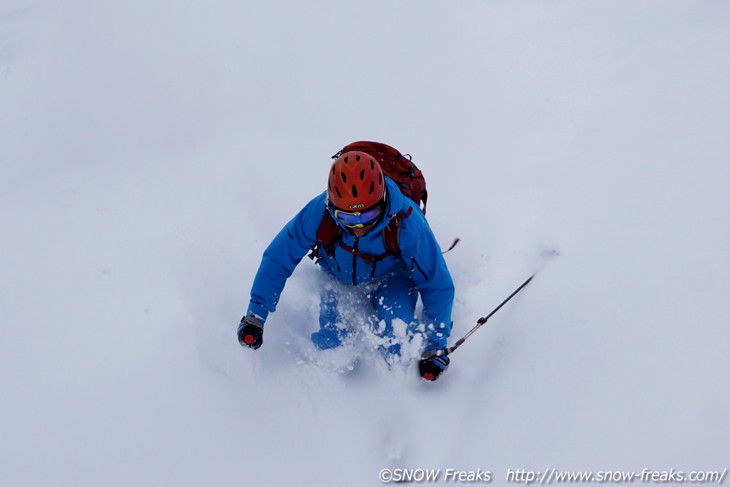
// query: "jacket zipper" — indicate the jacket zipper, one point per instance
point(419, 268)
point(354, 262)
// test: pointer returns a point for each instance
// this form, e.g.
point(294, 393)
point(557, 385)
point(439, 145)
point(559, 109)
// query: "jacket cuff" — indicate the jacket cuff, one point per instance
point(435, 341)
point(436, 336)
point(258, 311)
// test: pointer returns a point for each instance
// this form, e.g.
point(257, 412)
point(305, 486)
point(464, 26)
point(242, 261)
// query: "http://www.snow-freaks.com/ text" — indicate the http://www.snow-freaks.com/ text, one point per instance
point(551, 476)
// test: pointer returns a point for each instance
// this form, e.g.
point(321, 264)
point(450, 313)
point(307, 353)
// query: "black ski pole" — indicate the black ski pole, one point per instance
point(483, 320)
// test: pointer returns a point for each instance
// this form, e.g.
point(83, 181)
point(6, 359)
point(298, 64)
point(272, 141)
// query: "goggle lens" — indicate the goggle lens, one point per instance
point(355, 219)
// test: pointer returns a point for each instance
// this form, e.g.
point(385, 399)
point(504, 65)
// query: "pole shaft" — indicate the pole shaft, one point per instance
point(483, 320)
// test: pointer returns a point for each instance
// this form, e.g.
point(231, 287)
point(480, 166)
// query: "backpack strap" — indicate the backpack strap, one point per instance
point(328, 233)
point(369, 259)
point(391, 233)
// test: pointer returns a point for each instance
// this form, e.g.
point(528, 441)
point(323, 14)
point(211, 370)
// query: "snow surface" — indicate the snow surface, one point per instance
point(149, 151)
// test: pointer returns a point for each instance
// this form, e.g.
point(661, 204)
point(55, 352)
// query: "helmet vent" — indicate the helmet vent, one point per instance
point(372, 187)
point(362, 175)
point(354, 191)
point(337, 190)
point(357, 158)
point(344, 177)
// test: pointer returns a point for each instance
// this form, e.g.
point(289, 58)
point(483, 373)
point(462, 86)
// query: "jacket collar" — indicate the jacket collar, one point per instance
point(393, 206)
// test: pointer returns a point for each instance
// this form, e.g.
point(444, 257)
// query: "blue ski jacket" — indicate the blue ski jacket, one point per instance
point(421, 259)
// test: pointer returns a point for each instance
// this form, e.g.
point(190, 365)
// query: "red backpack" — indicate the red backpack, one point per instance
point(398, 167)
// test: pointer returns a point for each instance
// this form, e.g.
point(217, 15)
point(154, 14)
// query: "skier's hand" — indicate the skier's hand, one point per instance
point(251, 332)
point(433, 363)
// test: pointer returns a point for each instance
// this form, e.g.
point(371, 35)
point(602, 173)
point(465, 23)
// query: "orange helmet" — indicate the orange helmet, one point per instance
point(355, 182)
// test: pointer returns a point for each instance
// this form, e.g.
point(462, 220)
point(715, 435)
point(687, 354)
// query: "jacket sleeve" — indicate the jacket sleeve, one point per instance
point(282, 256)
point(432, 277)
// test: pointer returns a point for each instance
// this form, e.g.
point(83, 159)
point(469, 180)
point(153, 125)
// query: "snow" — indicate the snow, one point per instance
point(149, 151)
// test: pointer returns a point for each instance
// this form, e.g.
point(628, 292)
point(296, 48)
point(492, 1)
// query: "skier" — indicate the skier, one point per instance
point(363, 202)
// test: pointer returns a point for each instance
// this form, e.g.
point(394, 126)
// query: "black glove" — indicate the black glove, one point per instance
point(251, 332)
point(433, 363)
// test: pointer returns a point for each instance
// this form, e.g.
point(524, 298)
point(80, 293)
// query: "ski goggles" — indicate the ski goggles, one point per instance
point(358, 219)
